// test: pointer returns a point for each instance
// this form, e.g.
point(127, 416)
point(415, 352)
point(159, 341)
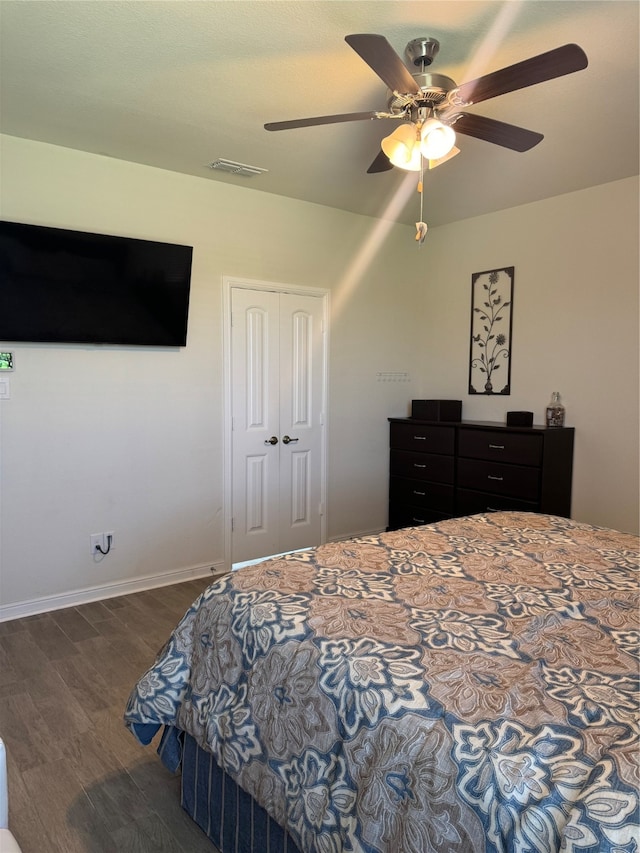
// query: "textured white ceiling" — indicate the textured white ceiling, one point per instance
point(178, 84)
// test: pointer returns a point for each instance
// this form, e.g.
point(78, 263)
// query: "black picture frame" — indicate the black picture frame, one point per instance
point(491, 329)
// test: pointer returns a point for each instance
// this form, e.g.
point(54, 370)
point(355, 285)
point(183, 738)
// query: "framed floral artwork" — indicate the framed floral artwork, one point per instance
point(491, 320)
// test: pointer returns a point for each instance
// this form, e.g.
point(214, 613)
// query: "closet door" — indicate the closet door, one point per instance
point(277, 400)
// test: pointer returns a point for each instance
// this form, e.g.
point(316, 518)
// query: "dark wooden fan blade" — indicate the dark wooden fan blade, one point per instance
point(382, 58)
point(380, 164)
point(507, 135)
point(546, 66)
point(310, 122)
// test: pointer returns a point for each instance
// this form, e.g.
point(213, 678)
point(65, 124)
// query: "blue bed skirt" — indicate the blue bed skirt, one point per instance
point(232, 819)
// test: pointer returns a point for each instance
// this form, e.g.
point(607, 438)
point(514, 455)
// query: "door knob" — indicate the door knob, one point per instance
point(287, 440)
point(272, 440)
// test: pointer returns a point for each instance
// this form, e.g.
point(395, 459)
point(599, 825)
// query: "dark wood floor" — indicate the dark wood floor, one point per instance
point(78, 780)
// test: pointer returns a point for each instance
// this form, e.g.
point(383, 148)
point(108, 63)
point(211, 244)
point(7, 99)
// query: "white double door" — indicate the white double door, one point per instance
point(277, 405)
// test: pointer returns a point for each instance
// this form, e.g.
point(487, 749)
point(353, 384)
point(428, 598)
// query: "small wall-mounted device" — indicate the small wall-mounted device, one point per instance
point(6, 361)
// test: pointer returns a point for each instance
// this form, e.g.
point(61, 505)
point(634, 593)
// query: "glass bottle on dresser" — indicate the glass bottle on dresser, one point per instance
point(555, 411)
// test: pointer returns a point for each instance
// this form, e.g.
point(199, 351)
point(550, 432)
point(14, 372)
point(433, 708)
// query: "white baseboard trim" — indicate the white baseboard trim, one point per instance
point(360, 535)
point(111, 590)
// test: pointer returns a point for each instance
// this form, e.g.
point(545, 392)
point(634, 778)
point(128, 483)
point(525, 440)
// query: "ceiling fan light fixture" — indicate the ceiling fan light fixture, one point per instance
point(402, 147)
point(437, 139)
point(440, 160)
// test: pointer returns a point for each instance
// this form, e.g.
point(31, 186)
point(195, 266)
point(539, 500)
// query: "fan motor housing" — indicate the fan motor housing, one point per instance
point(434, 88)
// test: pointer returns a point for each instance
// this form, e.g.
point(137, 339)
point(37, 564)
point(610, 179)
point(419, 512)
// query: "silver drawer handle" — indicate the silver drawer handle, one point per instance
point(491, 477)
point(492, 509)
point(418, 465)
point(419, 520)
point(496, 446)
point(420, 437)
point(416, 492)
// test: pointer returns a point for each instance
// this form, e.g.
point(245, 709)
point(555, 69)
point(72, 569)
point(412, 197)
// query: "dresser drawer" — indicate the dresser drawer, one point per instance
point(401, 515)
point(423, 438)
point(504, 446)
point(469, 503)
point(422, 466)
point(516, 481)
point(420, 493)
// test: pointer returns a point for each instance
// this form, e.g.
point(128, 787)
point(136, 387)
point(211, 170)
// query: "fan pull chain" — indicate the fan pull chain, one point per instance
point(421, 227)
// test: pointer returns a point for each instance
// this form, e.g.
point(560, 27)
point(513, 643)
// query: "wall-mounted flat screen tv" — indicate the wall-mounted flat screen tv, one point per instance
point(61, 286)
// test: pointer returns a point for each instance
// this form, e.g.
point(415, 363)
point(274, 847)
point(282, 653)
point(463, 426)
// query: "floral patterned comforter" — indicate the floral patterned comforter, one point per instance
point(470, 685)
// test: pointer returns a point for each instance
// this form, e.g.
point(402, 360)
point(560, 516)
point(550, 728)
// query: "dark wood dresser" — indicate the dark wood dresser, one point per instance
point(440, 470)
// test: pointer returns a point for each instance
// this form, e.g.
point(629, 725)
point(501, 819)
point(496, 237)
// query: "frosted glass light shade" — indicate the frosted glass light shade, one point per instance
point(441, 160)
point(437, 139)
point(402, 147)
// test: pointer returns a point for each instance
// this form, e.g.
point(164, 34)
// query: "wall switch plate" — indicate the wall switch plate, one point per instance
point(5, 389)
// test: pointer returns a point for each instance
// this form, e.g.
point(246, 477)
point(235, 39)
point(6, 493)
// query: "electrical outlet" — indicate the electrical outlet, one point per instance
point(97, 542)
point(101, 543)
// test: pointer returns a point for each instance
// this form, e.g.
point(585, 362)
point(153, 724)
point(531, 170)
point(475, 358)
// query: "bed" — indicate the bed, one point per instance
point(469, 685)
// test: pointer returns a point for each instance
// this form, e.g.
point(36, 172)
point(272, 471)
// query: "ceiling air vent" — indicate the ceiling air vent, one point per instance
point(236, 168)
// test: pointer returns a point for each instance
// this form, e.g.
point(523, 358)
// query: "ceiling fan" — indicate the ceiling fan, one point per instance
point(428, 105)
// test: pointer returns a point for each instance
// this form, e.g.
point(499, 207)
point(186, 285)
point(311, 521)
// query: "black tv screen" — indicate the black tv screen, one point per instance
point(61, 286)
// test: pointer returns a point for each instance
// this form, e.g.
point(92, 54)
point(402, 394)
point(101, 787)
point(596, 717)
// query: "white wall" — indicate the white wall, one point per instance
point(131, 439)
point(575, 329)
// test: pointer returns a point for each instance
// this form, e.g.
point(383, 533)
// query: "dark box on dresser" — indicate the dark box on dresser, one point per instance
point(524, 419)
point(437, 410)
